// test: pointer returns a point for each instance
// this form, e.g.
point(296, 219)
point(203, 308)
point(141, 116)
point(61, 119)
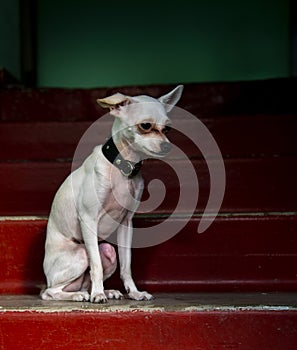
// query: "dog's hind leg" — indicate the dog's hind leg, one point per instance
point(65, 269)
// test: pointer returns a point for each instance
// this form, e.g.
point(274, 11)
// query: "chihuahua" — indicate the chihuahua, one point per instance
point(100, 198)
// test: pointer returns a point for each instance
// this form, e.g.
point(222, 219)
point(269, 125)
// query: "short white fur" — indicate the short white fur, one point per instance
point(86, 211)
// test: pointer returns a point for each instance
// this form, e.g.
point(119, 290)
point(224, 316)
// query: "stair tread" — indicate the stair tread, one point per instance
point(171, 321)
point(167, 302)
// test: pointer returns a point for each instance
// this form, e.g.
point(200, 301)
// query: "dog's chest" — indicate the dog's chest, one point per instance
point(116, 204)
point(118, 201)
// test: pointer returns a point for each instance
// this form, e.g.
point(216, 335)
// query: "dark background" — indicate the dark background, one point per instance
point(91, 43)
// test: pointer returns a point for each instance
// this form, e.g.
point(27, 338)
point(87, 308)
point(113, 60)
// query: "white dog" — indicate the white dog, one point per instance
point(100, 198)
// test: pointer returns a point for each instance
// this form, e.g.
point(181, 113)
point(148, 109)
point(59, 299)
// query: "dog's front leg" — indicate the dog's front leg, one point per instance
point(124, 235)
point(89, 231)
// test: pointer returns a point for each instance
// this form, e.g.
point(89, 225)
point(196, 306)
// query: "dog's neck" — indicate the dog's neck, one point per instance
point(125, 148)
point(119, 153)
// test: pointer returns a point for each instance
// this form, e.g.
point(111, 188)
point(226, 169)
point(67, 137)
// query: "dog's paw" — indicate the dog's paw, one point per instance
point(81, 296)
point(99, 298)
point(136, 295)
point(113, 294)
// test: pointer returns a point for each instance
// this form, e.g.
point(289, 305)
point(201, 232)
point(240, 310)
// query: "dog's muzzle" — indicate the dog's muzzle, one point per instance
point(166, 147)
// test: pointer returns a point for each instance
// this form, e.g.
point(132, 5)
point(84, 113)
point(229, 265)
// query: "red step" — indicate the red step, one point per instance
point(261, 184)
point(224, 258)
point(271, 96)
point(254, 136)
point(237, 253)
point(178, 321)
point(250, 247)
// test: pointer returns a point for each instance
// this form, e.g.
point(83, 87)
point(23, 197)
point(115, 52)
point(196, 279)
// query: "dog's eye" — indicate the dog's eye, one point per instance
point(146, 126)
point(166, 129)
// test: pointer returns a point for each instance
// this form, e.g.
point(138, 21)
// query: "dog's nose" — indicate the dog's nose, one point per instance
point(166, 147)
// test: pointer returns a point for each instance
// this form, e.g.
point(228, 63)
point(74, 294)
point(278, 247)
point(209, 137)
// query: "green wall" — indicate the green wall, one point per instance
point(110, 43)
point(94, 43)
point(9, 37)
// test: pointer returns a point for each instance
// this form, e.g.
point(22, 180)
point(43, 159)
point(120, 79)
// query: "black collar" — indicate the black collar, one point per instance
point(112, 154)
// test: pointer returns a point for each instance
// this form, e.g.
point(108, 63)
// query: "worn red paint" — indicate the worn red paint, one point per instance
point(254, 124)
point(274, 96)
point(251, 135)
point(262, 184)
point(145, 330)
point(235, 254)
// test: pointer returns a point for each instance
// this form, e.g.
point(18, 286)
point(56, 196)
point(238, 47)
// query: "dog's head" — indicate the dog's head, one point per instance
point(142, 121)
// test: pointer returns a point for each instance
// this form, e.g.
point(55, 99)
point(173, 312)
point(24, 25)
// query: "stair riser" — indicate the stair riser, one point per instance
point(35, 141)
point(145, 330)
point(272, 96)
point(241, 254)
point(251, 185)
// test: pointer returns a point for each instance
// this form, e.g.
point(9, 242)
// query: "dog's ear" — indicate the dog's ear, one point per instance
point(114, 102)
point(170, 100)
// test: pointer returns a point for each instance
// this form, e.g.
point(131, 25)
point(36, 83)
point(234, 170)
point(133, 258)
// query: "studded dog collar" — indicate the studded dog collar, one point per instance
point(112, 154)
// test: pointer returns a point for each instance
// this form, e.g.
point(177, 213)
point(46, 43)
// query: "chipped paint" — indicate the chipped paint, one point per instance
point(197, 302)
point(23, 218)
point(175, 215)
